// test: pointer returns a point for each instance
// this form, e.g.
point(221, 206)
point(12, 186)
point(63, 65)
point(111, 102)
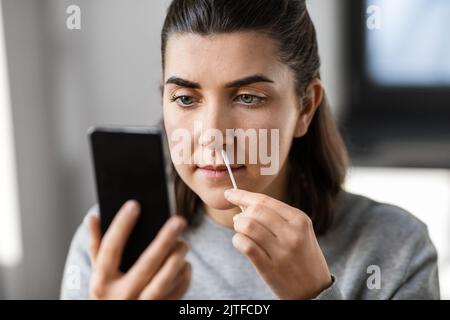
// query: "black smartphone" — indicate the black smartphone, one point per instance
point(132, 163)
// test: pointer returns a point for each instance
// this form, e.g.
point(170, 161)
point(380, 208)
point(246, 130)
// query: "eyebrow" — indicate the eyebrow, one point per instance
point(233, 84)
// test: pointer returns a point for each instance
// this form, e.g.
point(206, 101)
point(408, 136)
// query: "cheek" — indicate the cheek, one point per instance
point(177, 142)
point(280, 128)
point(286, 121)
point(170, 117)
point(178, 128)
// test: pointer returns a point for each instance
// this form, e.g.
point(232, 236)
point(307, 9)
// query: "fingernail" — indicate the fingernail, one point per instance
point(93, 212)
point(178, 224)
point(131, 205)
point(227, 193)
point(235, 217)
point(86, 218)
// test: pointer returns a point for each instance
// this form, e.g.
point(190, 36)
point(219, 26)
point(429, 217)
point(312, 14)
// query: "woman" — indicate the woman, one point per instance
point(255, 65)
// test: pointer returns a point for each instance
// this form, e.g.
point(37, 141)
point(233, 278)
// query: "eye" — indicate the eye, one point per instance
point(250, 99)
point(183, 101)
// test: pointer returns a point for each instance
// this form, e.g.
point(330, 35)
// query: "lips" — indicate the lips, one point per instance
point(218, 171)
point(219, 167)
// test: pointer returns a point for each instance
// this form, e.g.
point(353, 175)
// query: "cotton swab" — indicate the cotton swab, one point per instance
point(227, 163)
point(230, 173)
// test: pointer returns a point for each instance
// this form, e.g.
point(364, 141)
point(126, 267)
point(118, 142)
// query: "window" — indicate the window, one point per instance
point(397, 83)
point(412, 46)
point(10, 240)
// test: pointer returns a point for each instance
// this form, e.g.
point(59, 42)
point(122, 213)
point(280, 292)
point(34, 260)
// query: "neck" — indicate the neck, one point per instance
point(277, 190)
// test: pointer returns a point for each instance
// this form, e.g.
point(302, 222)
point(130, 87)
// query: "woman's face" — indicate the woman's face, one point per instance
point(203, 88)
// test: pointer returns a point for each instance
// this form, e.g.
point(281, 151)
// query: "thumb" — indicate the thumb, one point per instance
point(95, 236)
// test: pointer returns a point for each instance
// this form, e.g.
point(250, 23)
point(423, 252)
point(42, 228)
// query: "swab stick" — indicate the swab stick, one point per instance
point(230, 173)
point(227, 163)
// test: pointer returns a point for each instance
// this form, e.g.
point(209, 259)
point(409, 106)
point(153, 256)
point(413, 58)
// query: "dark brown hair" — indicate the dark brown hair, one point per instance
point(317, 162)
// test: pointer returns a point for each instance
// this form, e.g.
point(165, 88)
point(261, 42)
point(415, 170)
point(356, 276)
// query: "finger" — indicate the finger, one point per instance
point(154, 255)
point(115, 238)
point(267, 217)
point(245, 245)
point(181, 284)
point(246, 198)
point(257, 256)
point(163, 280)
point(95, 237)
point(257, 232)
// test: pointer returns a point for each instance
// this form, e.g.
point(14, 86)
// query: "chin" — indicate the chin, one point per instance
point(215, 199)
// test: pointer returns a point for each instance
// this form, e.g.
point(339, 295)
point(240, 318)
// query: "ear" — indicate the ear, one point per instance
point(309, 104)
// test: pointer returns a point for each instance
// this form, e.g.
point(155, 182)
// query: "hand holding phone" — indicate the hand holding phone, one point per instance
point(135, 249)
point(161, 272)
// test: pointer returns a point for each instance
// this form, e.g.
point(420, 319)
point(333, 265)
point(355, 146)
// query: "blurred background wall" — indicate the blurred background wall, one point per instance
point(63, 81)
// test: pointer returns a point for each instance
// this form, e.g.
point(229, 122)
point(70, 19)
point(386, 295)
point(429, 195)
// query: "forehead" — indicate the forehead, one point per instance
point(221, 57)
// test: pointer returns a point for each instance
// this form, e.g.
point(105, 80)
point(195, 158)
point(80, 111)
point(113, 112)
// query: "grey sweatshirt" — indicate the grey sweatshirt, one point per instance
point(373, 250)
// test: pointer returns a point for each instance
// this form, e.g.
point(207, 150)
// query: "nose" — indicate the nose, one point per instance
point(215, 120)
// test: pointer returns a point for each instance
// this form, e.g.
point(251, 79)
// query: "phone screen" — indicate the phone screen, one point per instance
point(130, 164)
